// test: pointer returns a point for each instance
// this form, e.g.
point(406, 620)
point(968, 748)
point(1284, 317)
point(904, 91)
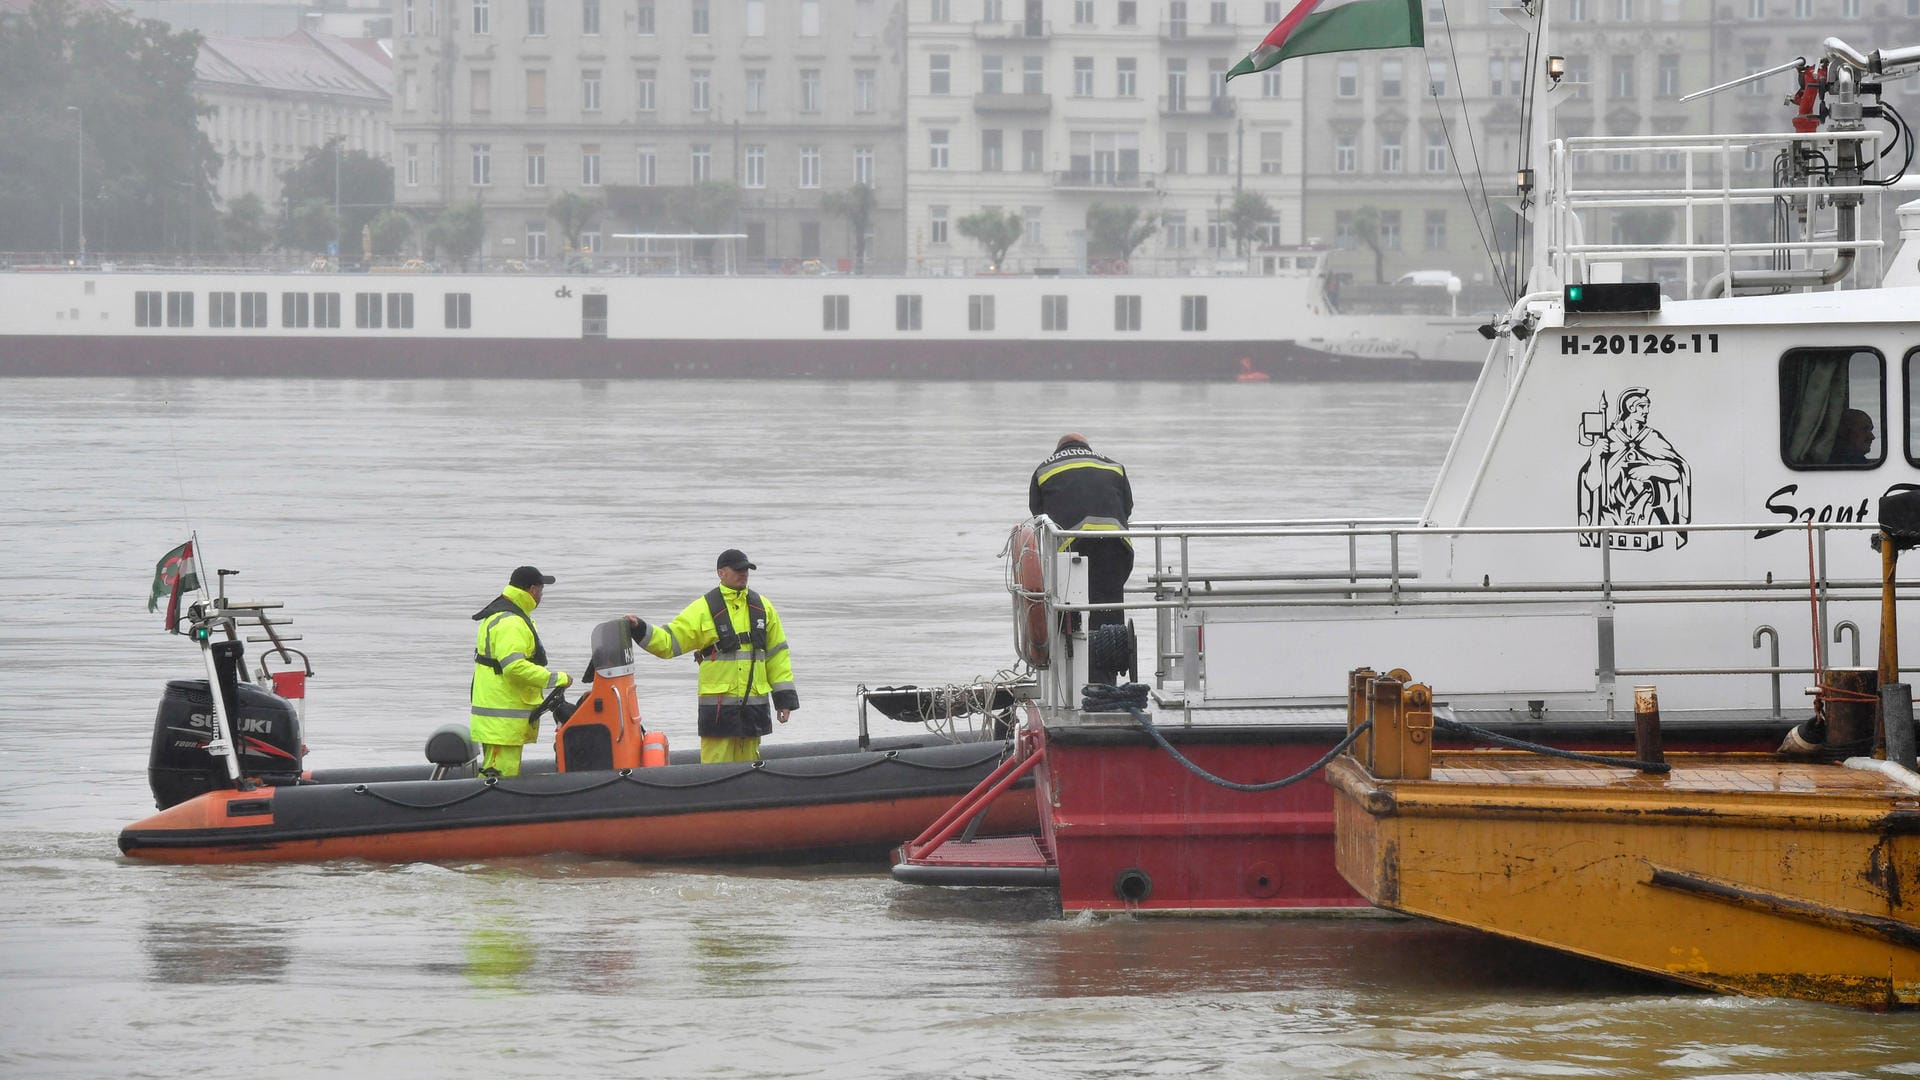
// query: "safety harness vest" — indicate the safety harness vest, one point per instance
point(502, 606)
point(726, 640)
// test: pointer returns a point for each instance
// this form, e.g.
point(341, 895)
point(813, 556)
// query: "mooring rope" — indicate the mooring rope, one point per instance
point(1131, 697)
point(1455, 727)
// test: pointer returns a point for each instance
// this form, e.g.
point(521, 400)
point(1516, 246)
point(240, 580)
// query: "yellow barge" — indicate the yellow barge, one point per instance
point(1741, 873)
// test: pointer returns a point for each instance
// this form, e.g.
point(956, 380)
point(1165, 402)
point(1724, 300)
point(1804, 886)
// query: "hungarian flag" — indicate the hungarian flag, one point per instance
point(1325, 26)
point(172, 575)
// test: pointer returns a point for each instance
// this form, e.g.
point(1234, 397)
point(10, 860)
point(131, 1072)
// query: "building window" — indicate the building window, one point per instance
point(702, 90)
point(1497, 75)
point(1391, 78)
point(992, 74)
point(991, 154)
point(1176, 86)
point(407, 27)
point(536, 234)
point(1218, 161)
point(756, 18)
point(480, 91)
point(939, 74)
point(906, 311)
point(1193, 314)
point(1344, 237)
point(1623, 10)
point(480, 18)
point(1272, 145)
point(809, 18)
point(643, 90)
point(460, 311)
point(1083, 12)
point(810, 90)
point(1669, 75)
point(1083, 76)
point(1174, 224)
point(936, 224)
point(937, 148)
point(536, 18)
point(648, 160)
point(411, 156)
point(1390, 230)
point(755, 167)
point(1436, 230)
point(293, 309)
point(536, 165)
point(1436, 78)
point(1436, 148)
point(1126, 313)
point(702, 18)
point(253, 309)
point(1033, 75)
point(1346, 155)
point(1030, 227)
point(939, 11)
point(1176, 157)
point(1270, 84)
point(590, 17)
point(1390, 151)
point(1053, 314)
point(590, 165)
point(643, 18)
point(367, 307)
point(1576, 10)
point(863, 165)
point(809, 166)
point(536, 91)
point(1803, 9)
point(1346, 79)
point(590, 91)
point(1622, 76)
point(482, 165)
point(757, 90)
point(1033, 144)
point(866, 94)
point(700, 162)
point(1128, 13)
point(980, 312)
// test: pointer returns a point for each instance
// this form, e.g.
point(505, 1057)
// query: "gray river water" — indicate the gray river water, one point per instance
point(384, 513)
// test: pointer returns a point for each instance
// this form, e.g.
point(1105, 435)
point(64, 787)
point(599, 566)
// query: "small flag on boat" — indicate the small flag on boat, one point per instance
point(1326, 26)
point(172, 575)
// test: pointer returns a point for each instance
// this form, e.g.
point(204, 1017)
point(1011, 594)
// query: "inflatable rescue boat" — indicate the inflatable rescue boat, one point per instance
point(227, 773)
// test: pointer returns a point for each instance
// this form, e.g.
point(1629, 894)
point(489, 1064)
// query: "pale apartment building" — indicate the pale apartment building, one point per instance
point(1045, 108)
point(509, 105)
point(271, 100)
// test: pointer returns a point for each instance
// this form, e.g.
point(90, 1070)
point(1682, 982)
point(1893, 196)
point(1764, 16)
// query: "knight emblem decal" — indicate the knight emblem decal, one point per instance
point(1633, 476)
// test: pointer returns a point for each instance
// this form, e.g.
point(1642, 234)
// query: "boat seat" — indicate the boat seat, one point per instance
point(451, 751)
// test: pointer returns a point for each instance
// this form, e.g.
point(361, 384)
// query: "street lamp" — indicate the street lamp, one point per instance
point(80, 174)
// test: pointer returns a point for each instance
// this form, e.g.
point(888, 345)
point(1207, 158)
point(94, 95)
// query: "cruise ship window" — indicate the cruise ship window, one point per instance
point(980, 312)
point(1053, 313)
point(253, 309)
point(1193, 314)
point(400, 310)
point(326, 310)
point(146, 308)
point(222, 309)
point(906, 311)
point(1912, 365)
point(1126, 313)
point(179, 309)
point(459, 311)
point(293, 310)
point(1833, 412)
point(834, 312)
point(366, 311)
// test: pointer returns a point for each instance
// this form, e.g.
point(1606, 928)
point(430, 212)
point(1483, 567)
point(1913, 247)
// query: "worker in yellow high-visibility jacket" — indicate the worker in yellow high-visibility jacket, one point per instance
point(736, 635)
point(510, 674)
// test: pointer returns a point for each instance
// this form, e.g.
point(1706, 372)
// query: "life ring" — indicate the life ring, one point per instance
point(1030, 623)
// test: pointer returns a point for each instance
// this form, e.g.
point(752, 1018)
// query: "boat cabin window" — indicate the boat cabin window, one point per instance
point(459, 311)
point(1912, 366)
point(1833, 409)
point(833, 312)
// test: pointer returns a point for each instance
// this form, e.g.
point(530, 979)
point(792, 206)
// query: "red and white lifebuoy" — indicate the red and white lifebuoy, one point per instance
point(1030, 624)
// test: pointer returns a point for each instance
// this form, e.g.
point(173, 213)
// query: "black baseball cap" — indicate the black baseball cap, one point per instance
point(735, 558)
point(526, 577)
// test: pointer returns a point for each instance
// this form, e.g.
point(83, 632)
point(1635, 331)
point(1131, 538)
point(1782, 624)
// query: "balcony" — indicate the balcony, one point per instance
point(1015, 30)
point(1199, 108)
point(1199, 32)
point(1013, 103)
point(1102, 180)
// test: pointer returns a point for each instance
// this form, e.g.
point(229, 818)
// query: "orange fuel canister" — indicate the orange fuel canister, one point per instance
point(653, 749)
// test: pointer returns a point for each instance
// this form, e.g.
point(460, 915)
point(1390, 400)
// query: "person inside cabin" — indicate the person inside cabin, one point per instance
point(1853, 443)
point(511, 679)
point(745, 666)
point(1081, 490)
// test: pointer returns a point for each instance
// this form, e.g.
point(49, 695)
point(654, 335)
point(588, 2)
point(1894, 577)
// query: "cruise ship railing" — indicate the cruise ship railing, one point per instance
point(1372, 562)
point(1706, 207)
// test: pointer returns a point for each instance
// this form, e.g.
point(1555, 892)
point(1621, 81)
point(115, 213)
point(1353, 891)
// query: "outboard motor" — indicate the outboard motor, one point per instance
point(266, 731)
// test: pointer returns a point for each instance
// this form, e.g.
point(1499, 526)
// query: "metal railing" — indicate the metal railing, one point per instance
point(1371, 562)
